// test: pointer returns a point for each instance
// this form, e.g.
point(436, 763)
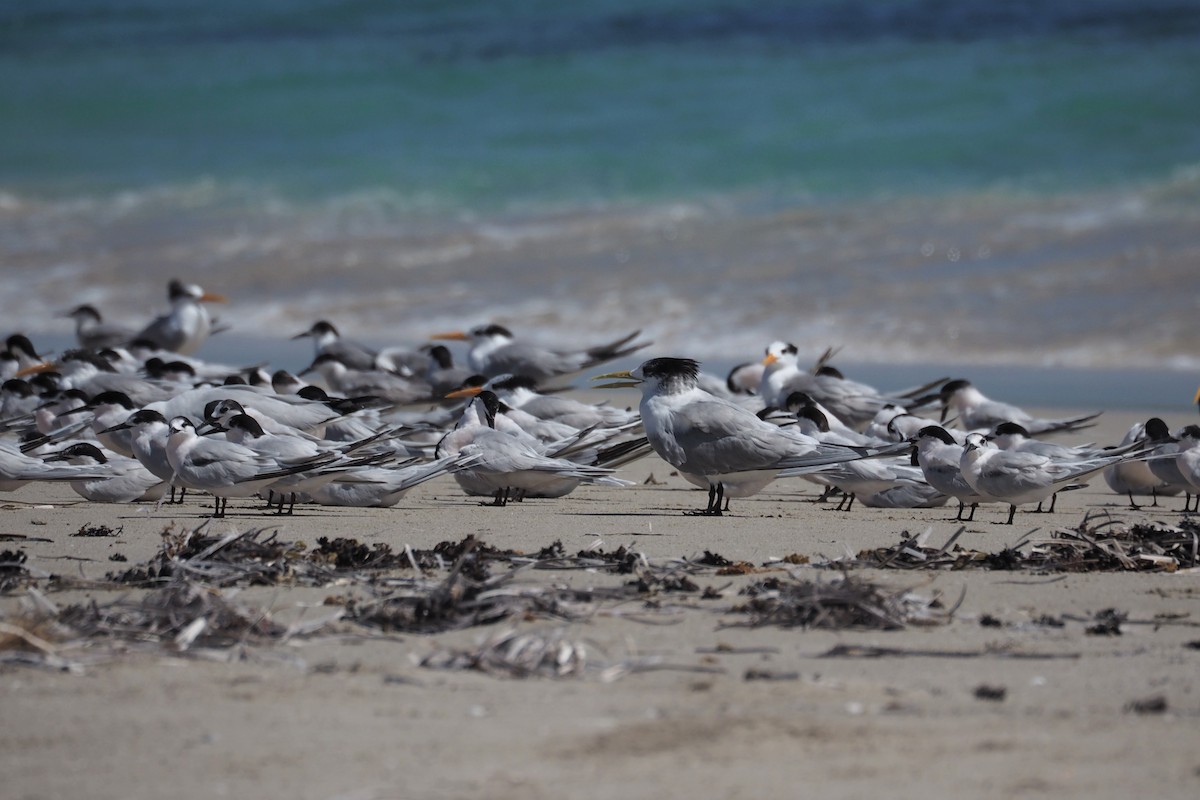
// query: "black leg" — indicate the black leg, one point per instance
point(972, 517)
point(1132, 505)
point(1012, 512)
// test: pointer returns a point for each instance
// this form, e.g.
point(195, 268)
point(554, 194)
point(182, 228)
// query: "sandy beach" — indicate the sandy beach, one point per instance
point(1015, 691)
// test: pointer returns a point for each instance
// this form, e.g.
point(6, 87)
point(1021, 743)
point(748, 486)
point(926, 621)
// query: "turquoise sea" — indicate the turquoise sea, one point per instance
point(960, 182)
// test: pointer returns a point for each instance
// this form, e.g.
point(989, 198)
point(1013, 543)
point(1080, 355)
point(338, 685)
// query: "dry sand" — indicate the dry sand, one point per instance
point(332, 717)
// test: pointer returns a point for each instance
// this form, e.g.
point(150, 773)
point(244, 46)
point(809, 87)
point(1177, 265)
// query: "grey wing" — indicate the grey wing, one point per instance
point(718, 438)
point(527, 359)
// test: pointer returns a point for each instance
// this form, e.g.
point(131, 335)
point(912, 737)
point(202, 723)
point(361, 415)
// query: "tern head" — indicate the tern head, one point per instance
point(931, 432)
point(83, 451)
point(440, 354)
point(745, 378)
point(146, 416)
point(1157, 430)
point(813, 414)
point(181, 425)
point(780, 353)
point(480, 333)
point(84, 313)
point(1008, 429)
point(246, 424)
point(19, 345)
point(489, 404)
point(319, 330)
point(177, 290)
point(664, 374)
point(975, 441)
point(1190, 434)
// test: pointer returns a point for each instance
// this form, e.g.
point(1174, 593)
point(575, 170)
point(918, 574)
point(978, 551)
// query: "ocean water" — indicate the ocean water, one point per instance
point(918, 182)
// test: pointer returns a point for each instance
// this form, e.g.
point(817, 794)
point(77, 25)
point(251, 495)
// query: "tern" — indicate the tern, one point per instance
point(1167, 467)
point(222, 468)
point(1135, 477)
point(851, 402)
point(508, 465)
point(125, 479)
point(1019, 478)
point(520, 392)
point(730, 448)
point(187, 325)
point(495, 351)
point(327, 340)
point(18, 469)
point(383, 487)
point(976, 412)
point(1188, 459)
point(939, 455)
point(93, 333)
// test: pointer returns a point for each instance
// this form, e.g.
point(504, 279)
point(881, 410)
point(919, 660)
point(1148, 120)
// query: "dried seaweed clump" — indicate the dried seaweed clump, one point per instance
point(253, 557)
point(182, 616)
point(462, 601)
point(846, 603)
point(513, 654)
point(1096, 545)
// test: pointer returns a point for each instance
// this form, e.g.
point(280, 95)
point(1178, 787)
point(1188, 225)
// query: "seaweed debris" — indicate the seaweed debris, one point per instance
point(1100, 543)
point(846, 603)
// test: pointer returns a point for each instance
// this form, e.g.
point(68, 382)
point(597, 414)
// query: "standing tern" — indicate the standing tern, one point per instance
point(495, 351)
point(1167, 467)
point(187, 325)
point(1019, 478)
point(939, 455)
point(222, 468)
point(736, 453)
point(1135, 477)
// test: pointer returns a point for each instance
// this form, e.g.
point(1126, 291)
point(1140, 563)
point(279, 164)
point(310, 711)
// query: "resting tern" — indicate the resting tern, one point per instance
point(976, 412)
point(383, 487)
point(851, 402)
point(1019, 478)
point(125, 479)
point(520, 392)
point(18, 469)
point(494, 351)
point(346, 380)
point(93, 333)
point(187, 325)
point(736, 453)
point(864, 476)
point(508, 464)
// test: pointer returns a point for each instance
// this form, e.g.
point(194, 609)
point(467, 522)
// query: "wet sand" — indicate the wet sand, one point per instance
point(338, 717)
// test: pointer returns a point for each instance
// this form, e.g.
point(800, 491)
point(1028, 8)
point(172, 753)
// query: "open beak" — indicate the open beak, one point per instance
point(213, 297)
point(628, 382)
point(453, 336)
point(466, 391)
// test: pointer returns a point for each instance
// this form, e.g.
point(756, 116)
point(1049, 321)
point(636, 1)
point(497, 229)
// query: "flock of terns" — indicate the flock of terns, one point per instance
point(133, 416)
